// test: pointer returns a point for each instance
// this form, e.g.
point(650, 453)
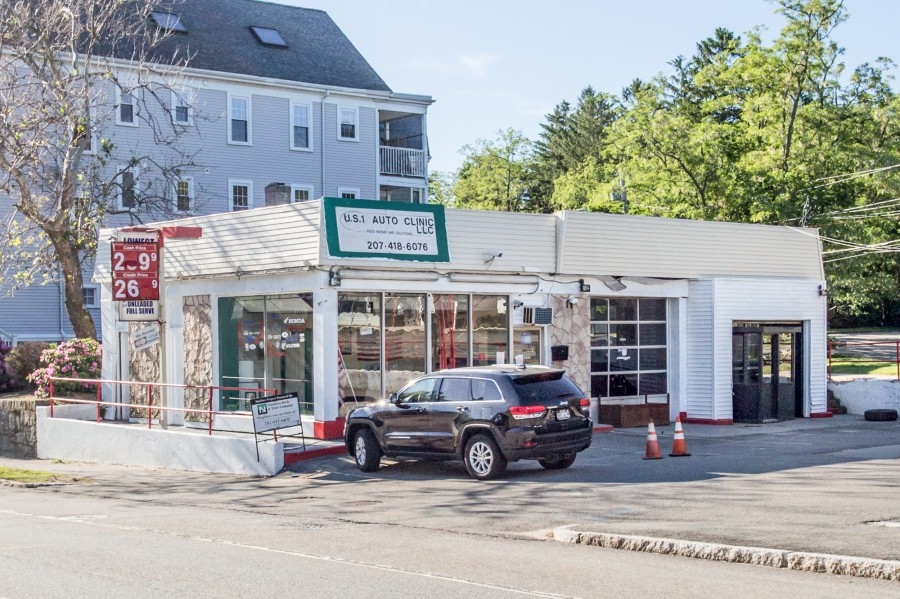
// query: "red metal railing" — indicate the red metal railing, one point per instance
point(869, 357)
point(98, 400)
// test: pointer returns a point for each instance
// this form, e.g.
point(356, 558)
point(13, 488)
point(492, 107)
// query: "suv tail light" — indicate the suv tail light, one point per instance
point(520, 412)
point(585, 405)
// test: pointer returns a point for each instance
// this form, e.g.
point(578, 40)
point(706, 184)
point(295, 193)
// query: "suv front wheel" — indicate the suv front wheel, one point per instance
point(483, 458)
point(366, 451)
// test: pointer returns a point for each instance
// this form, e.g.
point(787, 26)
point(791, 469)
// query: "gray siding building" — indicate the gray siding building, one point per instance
point(279, 107)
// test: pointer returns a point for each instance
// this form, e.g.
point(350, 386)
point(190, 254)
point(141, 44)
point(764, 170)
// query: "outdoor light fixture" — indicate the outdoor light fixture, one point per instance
point(571, 301)
point(334, 279)
point(823, 291)
point(582, 287)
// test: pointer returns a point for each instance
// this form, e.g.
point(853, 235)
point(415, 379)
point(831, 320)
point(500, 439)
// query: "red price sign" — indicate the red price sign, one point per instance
point(135, 269)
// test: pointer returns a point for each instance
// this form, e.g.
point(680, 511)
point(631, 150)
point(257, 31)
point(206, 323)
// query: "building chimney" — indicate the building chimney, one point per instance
point(278, 194)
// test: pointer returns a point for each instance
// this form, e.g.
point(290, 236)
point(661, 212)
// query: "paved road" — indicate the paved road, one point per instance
point(60, 544)
point(881, 346)
point(827, 486)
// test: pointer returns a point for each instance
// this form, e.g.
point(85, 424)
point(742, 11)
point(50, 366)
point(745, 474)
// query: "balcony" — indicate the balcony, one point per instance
point(403, 162)
point(402, 149)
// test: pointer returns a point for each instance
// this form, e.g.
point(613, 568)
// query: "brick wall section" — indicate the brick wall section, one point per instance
point(18, 427)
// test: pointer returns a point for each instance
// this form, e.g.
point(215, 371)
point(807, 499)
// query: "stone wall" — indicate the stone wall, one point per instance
point(143, 366)
point(572, 326)
point(196, 311)
point(18, 427)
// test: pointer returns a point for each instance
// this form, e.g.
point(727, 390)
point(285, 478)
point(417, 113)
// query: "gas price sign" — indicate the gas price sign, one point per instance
point(135, 268)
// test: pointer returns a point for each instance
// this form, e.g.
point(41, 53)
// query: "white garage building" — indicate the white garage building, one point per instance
point(344, 300)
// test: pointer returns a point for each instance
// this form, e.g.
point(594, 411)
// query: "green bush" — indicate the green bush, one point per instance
point(22, 360)
point(78, 358)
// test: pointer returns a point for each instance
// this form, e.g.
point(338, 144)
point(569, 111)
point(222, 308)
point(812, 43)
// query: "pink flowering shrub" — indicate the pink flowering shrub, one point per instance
point(77, 358)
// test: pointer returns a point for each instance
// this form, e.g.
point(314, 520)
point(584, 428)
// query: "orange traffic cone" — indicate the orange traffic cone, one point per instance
point(652, 444)
point(679, 447)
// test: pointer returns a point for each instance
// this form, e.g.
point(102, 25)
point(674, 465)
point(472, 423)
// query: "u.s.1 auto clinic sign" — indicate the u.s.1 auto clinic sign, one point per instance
point(275, 411)
point(370, 229)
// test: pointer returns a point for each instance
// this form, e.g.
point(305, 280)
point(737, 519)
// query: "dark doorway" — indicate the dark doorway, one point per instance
point(767, 377)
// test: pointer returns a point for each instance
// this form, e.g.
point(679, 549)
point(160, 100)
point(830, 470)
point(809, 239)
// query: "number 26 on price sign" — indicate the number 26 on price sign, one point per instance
point(134, 289)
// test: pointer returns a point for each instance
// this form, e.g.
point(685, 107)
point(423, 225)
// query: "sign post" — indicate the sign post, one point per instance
point(139, 284)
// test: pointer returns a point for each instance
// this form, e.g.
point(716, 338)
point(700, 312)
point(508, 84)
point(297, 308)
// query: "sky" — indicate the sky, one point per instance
point(491, 65)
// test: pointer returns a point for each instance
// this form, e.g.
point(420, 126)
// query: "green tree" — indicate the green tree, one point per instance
point(496, 173)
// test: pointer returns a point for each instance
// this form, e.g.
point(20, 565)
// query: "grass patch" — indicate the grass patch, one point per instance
point(30, 476)
point(841, 366)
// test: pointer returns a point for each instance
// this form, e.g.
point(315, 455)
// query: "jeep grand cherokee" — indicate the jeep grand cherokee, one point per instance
point(485, 416)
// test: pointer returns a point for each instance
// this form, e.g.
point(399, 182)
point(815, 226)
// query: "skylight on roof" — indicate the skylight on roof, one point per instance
point(269, 37)
point(168, 21)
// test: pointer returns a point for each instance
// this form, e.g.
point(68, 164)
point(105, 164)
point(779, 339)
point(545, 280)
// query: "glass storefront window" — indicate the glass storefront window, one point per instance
point(359, 347)
point(528, 343)
point(490, 330)
point(450, 331)
point(634, 330)
point(404, 339)
point(266, 345)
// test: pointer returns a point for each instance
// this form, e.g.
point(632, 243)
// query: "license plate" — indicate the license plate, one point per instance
point(563, 414)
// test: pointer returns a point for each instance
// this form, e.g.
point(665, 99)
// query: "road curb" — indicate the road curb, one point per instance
point(842, 565)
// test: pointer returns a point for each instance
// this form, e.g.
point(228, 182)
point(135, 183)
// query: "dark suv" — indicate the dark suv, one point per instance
point(486, 416)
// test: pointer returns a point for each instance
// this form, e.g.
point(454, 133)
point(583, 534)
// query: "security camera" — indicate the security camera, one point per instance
point(572, 300)
point(492, 253)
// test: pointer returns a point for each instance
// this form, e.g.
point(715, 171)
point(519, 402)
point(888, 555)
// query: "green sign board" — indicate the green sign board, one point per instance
point(372, 229)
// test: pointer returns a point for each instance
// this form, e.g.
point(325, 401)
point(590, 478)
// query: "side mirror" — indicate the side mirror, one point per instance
point(393, 398)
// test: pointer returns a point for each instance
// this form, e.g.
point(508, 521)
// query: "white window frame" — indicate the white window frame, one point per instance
point(136, 171)
point(231, 184)
point(190, 182)
point(340, 113)
point(183, 98)
point(96, 289)
point(247, 99)
point(299, 187)
point(348, 190)
point(309, 127)
point(134, 118)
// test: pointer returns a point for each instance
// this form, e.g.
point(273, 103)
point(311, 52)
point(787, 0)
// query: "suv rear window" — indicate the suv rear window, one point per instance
point(536, 389)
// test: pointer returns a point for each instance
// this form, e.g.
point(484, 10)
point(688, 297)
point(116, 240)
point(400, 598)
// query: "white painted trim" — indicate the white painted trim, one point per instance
point(309, 125)
point(340, 111)
point(185, 98)
point(246, 182)
point(299, 186)
point(118, 109)
point(96, 288)
point(190, 182)
point(354, 190)
point(248, 98)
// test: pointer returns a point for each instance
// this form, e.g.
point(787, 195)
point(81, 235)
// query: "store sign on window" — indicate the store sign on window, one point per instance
point(371, 229)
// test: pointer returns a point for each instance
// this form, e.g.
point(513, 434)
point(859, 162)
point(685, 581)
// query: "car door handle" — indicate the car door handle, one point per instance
point(420, 411)
point(462, 409)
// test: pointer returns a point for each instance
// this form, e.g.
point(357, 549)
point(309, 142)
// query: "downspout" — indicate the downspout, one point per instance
point(322, 129)
point(62, 309)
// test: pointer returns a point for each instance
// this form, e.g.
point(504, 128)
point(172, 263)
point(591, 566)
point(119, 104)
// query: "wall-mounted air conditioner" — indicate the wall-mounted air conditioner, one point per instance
point(541, 316)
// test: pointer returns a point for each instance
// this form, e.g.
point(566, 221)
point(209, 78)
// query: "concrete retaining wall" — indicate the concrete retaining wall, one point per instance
point(860, 395)
point(73, 435)
point(18, 427)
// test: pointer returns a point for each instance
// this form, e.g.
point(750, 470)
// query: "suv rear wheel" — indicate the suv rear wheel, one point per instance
point(557, 462)
point(483, 458)
point(366, 451)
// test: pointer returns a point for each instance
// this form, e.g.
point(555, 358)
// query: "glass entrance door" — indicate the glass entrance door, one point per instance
point(766, 372)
